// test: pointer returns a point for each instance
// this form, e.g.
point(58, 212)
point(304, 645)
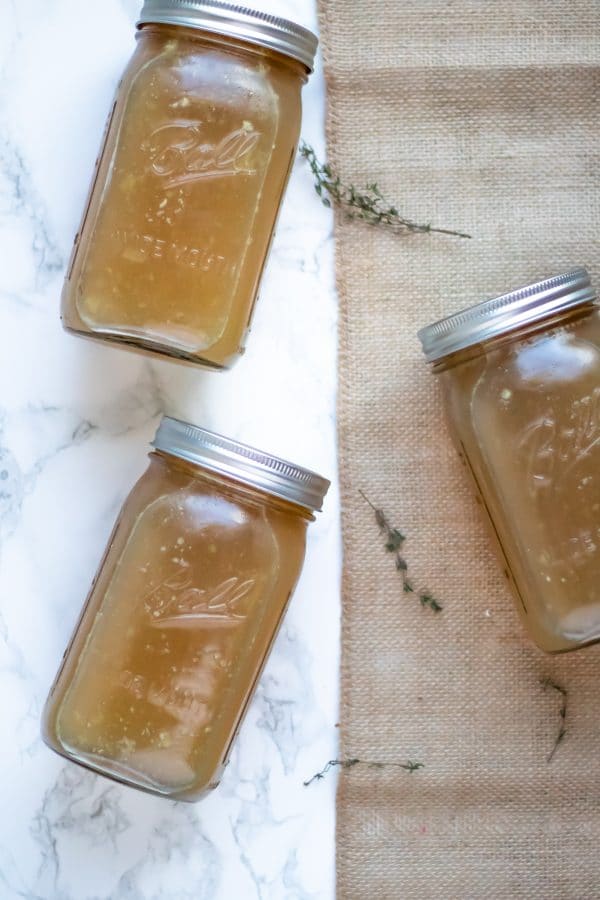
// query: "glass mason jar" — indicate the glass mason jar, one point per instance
point(520, 377)
point(197, 153)
point(182, 613)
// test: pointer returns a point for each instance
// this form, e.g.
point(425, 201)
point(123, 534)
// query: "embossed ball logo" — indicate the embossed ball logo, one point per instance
point(554, 445)
point(177, 602)
point(180, 153)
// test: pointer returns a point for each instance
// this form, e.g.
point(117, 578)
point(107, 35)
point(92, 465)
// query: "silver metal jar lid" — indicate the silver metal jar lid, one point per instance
point(506, 313)
point(235, 21)
point(260, 470)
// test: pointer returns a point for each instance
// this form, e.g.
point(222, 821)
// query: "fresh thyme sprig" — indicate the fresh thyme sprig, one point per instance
point(367, 204)
point(394, 540)
point(349, 763)
point(562, 730)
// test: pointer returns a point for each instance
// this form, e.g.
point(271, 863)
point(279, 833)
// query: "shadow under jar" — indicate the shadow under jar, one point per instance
point(196, 156)
point(520, 377)
point(182, 613)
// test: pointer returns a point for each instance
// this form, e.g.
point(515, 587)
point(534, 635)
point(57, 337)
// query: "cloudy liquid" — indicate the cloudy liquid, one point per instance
point(189, 183)
point(175, 631)
point(526, 418)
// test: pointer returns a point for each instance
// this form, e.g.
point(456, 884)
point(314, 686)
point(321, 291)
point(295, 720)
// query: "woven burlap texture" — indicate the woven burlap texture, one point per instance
point(482, 117)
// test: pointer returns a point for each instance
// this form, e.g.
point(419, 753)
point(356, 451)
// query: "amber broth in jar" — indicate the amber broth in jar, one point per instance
point(176, 629)
point(180, 218)
point(525, 413)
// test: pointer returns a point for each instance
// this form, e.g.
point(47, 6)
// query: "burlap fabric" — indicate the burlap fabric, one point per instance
point(480, 116)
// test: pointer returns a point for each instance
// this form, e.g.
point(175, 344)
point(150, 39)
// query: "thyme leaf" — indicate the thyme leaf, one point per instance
point(409, 766)
point(367, 204)
point(562, 712)
point(394, 541)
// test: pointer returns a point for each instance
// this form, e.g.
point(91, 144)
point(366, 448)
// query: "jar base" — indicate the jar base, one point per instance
point(557, 650)
point(149, 348)
point(114, 774)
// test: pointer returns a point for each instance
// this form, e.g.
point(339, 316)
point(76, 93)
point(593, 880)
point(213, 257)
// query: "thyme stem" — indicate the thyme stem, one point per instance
point(562, 712)
point(349, 763)
point(394, 540)
point(367, 204)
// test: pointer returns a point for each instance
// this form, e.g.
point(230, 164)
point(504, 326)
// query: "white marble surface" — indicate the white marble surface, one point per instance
point(75, 421)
